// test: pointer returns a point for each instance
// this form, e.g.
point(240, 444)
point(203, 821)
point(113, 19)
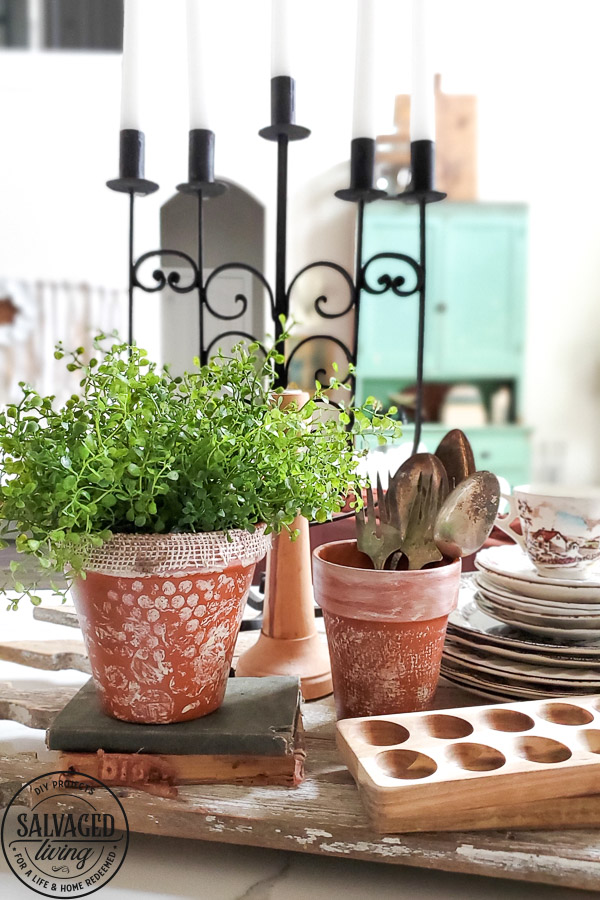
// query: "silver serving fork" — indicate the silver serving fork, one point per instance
point(377, 538)
point(418, 544)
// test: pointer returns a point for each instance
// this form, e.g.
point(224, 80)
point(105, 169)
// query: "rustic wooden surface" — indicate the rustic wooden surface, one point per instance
point(58, 615)
point(50, 655)
point(323, 815)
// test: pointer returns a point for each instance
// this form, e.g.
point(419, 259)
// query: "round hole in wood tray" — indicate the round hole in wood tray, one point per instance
point(448, 727)
point(406, 764)
point(590, 739)
point(380, 732)
point(476, 757)
point(542, 750)
point(565, 714)
point(507, 720)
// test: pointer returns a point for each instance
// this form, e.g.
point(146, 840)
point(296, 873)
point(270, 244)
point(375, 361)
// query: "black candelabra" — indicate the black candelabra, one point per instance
point(201, 183)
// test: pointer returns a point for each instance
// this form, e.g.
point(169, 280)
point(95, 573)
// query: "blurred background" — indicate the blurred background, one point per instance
point(512, 347)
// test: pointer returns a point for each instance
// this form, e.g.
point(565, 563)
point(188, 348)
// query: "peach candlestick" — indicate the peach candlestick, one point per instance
point(289, 643)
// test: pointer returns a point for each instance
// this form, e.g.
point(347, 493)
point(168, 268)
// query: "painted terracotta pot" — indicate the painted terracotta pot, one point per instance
point(385, 630)
point(160, 615)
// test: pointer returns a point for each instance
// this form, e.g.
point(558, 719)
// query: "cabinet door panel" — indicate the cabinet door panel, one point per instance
point(388, 323)
point(481, 298)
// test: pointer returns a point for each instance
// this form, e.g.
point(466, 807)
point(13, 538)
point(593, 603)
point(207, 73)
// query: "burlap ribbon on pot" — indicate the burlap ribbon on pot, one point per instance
point(138, 555)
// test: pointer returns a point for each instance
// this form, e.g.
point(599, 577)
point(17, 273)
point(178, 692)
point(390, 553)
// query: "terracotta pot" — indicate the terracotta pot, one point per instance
point(385, 630)
point(160, 615)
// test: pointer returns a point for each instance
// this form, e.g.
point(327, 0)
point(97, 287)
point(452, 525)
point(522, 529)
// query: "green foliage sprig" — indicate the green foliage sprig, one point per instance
point(140, 451)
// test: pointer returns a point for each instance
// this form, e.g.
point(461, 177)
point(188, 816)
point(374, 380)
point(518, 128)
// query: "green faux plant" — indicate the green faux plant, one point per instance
point(139, 450)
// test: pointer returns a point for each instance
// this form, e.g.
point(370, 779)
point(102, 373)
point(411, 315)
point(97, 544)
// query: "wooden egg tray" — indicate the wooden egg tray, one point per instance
point(529, 764)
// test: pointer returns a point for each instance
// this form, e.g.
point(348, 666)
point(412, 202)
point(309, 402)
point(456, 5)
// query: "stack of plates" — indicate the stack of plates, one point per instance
point(517, 635)
point(511, 590)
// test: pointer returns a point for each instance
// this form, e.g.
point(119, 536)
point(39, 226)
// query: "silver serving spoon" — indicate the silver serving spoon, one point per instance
point(456, 454)
point(415, 494)
point(467, 515)
point(402, 487)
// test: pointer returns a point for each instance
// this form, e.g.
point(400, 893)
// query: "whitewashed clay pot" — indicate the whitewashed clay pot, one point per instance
point(385, 629)
point(561, 528)
point(160, 616)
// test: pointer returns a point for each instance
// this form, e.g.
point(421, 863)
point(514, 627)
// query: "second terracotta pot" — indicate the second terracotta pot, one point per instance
point(385, 629)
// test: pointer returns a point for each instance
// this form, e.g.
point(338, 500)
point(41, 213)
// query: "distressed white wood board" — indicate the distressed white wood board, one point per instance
point(325, 816)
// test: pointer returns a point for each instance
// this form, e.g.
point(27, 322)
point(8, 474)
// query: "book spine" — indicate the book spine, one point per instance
point(160, 773)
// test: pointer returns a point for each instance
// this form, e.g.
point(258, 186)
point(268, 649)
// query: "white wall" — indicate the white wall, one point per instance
point(533, 64)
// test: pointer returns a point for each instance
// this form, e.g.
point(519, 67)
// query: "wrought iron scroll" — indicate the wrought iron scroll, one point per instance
point(400, 285)
point(201, 183)
point(320, 305)
point(162, 280)
point(395, 284)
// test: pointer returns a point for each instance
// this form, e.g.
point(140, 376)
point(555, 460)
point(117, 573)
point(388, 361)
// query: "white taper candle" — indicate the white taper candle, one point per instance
point(281, 38)
point(131, 85)
point(197, 29)
point(422, 99)
point(363, 120)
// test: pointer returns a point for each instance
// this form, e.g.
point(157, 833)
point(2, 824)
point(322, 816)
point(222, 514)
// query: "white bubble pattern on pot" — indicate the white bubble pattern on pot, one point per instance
point(139, 672)
point(140, 555)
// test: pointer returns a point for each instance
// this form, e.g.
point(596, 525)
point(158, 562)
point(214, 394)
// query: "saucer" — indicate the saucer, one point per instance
point(481, 629)
point(479, 660)
point(510, 567)
point(566, 630)
point(502, 595)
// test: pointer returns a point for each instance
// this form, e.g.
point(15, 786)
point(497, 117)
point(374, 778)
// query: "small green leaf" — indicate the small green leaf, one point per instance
point(140, 450)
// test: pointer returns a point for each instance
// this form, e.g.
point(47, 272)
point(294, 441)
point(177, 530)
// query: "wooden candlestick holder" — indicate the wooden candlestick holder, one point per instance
point(289, 643)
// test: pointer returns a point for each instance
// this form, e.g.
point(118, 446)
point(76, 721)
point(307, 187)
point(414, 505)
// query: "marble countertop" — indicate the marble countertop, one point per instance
point(158, 868)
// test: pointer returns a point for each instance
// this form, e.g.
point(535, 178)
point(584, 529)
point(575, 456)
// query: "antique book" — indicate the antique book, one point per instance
point(255, 737)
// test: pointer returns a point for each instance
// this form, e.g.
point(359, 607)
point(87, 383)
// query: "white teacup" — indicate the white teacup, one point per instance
point(561, 527)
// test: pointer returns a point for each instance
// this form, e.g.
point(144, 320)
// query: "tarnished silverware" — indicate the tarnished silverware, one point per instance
point(377, 538)
point(402, 495)
point(456, 455)
point(418, 543)
point(467, 515)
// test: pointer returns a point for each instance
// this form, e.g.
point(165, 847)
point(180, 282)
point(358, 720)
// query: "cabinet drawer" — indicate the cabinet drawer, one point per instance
point(498, 452)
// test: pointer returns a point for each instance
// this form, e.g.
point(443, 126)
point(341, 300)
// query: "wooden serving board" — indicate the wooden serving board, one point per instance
point(323, 815)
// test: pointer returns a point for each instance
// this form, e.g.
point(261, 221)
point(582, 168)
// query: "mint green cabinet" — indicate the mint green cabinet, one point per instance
point(475, 314)
point(502, 449)
point(478, 303)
